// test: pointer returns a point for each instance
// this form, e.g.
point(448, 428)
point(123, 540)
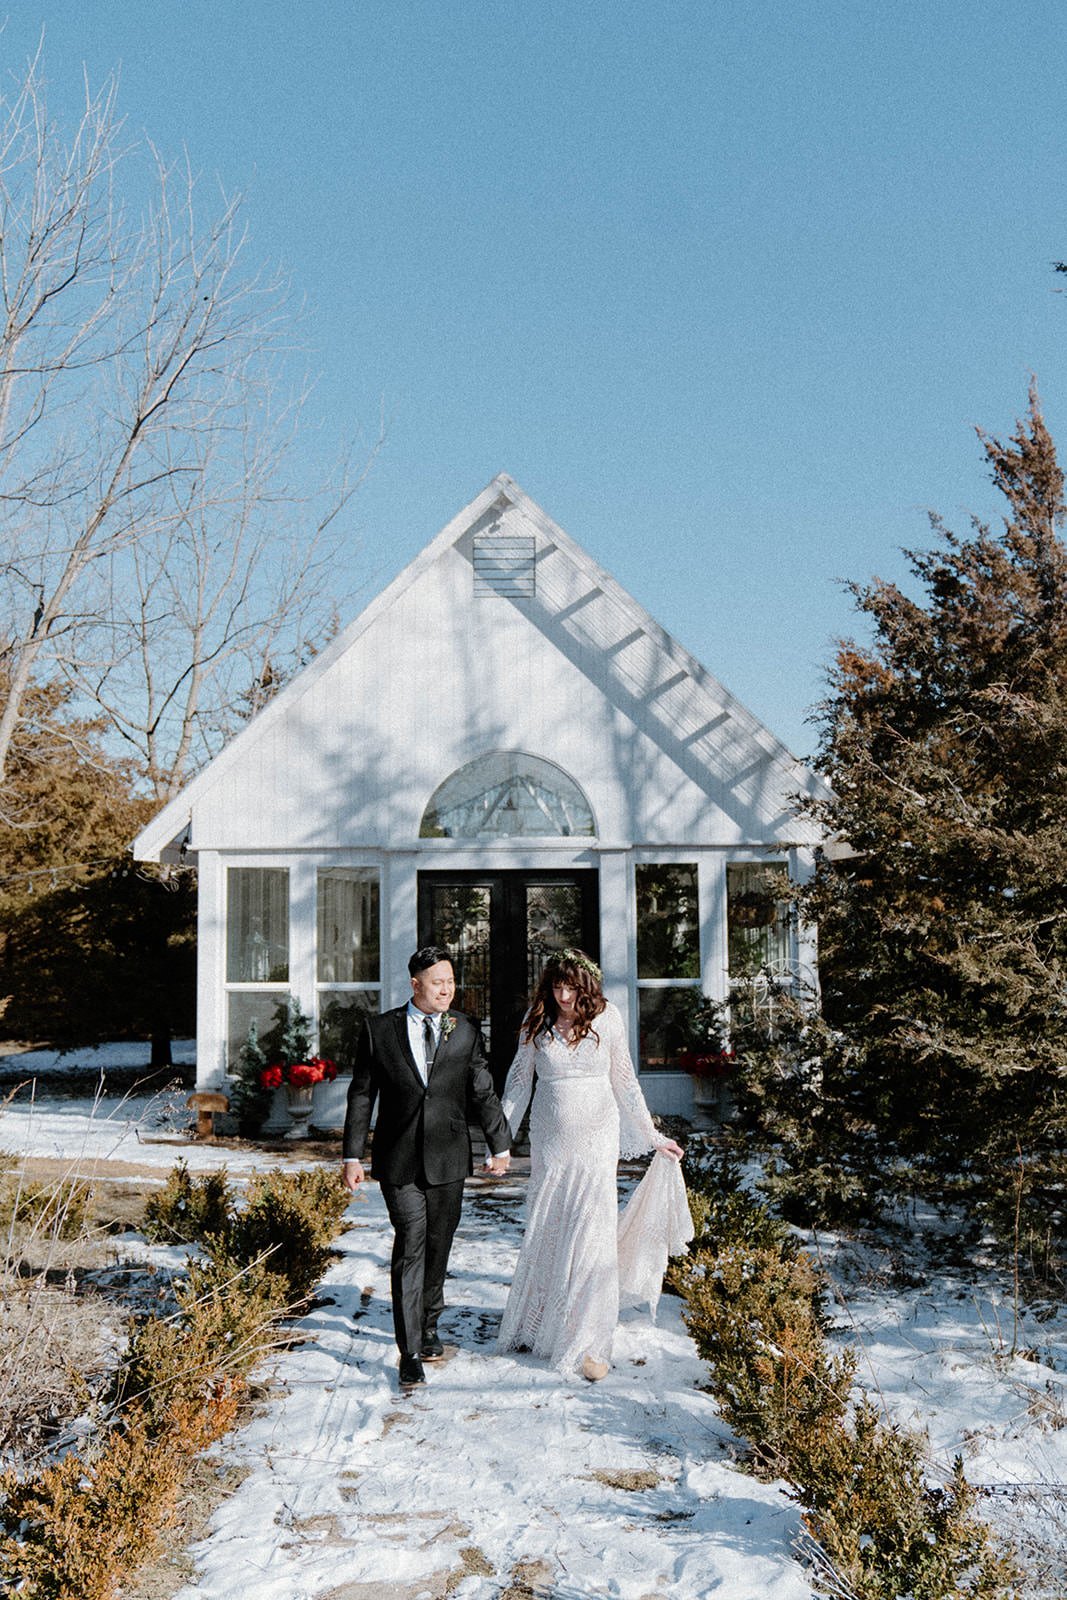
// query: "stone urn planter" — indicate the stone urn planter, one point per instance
point(299, 1099)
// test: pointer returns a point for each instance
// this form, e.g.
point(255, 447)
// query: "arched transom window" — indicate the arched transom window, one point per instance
point(507, 794)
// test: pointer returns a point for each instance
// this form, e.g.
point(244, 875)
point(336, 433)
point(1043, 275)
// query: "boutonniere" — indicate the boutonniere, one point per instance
point(448, 1022)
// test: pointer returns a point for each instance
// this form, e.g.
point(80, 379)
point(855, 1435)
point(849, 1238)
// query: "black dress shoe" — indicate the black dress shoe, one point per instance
point(432, 1348)
point(411, 1371)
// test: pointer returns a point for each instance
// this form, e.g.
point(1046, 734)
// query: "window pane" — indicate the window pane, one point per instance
point(460, 920)
point(257, 925)
point(244, 1009)
point(668, 925)
point(348, 925)
point(553, 921)
point(504, 795)
point(757, 914)
point(663, 1031)
point(340, 1022)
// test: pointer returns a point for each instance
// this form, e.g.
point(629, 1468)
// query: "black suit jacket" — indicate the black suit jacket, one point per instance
point(421, 1128)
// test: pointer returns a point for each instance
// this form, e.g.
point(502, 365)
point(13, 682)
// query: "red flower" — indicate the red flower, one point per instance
point(715, 1064)
point(301, 1074)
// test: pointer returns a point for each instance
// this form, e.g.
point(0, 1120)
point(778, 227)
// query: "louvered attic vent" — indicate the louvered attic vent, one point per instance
point(505, 564)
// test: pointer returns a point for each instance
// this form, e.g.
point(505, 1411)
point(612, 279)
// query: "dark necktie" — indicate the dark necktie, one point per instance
point(429, 1044)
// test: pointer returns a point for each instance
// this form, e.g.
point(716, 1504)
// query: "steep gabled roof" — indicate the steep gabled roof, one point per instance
point(581, 608)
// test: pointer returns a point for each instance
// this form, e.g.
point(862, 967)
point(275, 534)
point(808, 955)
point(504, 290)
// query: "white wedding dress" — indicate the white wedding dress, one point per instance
point(588, 1110)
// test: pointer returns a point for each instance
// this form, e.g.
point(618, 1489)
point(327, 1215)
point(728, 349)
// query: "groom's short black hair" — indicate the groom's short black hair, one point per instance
point(428, 955)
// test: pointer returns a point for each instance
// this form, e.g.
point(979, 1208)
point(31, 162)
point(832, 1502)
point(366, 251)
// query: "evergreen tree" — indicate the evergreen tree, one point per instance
point(944, 938)
point(249, 1101)
point(91, 948)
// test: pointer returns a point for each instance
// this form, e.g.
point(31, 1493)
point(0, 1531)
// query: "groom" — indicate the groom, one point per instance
point(424, 1064)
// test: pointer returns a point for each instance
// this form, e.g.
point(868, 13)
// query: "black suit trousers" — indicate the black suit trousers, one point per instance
point(424, 1218)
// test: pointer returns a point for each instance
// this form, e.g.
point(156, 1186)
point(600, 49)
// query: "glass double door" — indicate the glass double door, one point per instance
point(502, 927)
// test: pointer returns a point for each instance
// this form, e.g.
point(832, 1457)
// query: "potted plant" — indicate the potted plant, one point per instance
point(704, 1051)
point(293, 1066)
point(298, 1079)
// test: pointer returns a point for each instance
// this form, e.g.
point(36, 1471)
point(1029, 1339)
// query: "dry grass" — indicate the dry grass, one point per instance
point(55, 1351)
point(65, 1295)
point(207, 1486)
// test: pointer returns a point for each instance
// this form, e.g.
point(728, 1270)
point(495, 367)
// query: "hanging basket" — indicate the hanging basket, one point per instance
point(752, 911)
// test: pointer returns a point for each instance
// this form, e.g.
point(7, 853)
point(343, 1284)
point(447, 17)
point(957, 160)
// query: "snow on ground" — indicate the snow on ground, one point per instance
point(496, 1468)
point(144, 1130)
point(125, 1053)
point(986, 1378)
point(499, 1472)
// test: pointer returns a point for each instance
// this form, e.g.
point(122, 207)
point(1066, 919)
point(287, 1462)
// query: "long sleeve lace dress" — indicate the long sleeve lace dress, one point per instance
point(588, 1110)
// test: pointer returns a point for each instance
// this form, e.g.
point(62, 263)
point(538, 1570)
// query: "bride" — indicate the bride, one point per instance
point(588, 1110)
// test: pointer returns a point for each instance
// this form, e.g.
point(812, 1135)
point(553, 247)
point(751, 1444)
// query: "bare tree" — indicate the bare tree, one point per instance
point(210, 612)
point(150, 548)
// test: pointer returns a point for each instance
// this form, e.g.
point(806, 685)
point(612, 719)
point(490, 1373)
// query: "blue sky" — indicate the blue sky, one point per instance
point(726, 287)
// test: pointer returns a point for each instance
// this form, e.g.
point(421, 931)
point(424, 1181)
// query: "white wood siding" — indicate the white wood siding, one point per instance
point(441, 678)
point(339, 769)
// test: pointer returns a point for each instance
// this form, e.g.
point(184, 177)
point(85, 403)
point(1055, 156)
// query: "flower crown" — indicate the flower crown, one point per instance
point(578, 958)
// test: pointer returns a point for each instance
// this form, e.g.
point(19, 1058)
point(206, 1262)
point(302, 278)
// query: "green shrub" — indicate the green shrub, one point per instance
point(756, 1317)
point(74, 1530)
point(889, 1533)
point(724, 1212)
point(290, 1220)
point(222, 1327)
point(821, 1165)
point(60, 1210)
point(755, 1306)
point(68, 1533)
point(1024, 1203)
point(249, 1101)
point(189, 1208)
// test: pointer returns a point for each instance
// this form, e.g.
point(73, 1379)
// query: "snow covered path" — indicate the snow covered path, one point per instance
point(500, 1480)
point(497, 1476)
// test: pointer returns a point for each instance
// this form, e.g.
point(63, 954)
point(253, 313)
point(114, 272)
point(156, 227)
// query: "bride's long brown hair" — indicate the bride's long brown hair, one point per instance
point(580, 973)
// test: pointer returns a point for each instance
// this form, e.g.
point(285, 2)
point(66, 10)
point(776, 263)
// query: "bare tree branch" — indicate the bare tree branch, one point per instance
point(152, 550)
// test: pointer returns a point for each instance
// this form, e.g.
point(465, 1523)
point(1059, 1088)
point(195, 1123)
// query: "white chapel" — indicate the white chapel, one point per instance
point(503, 754)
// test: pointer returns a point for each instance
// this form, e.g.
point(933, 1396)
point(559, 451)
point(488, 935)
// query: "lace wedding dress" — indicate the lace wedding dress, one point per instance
point(588, 1110)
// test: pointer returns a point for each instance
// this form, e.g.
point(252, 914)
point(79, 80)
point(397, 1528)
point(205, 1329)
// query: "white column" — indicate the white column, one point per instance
point(618, 935)
point(303, 934)
point(715, 967)
point(400, 925)
point(211, 971)
point(806, 953)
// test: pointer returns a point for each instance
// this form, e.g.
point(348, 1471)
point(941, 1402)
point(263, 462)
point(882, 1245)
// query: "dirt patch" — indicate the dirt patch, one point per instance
point(207, 1487)
point(529, 1580)
point(434, 1586)
point(116, 1208)
point(635, 1480)
point(97, 1169)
